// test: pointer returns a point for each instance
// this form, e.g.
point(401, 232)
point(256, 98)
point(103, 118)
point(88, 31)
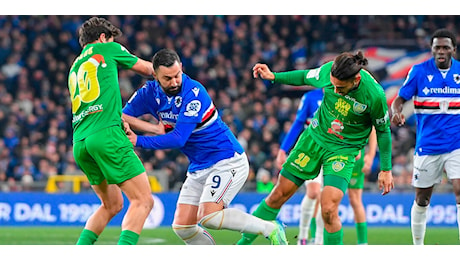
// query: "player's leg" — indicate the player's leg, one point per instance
point(319, 234)
point(115, 156)
point(356, 202)
point(139, 194)
point(307, 209)
point(111, 204)
point(423, 183)
point(418, 214)
point(224, 181)
point(453, 174)
point(269, 208)
point(109, 195)
point(337, 171)
point(355, 194)
point(185, 223)
point(456, 187)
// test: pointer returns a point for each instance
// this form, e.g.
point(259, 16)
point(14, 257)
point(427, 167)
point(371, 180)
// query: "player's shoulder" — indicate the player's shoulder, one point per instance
point(192, 87)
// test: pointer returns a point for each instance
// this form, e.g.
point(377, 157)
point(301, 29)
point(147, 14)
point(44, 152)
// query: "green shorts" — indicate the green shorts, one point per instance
point(357, 177)
point(107, 154)
point(306, 158)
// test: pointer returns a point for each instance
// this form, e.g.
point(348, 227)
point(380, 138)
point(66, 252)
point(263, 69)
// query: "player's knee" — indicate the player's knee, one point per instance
point(113, 208)
point(213, 220)
point(185, 232)
point(329, 213)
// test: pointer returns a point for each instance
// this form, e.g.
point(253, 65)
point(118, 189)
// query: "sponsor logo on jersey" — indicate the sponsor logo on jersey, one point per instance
point(168, 115)
point(314, 73)
point(444, 90)
point(193, 108)
point(90, 110)
point(430, 77)
point(383, 120)
point(196, 91)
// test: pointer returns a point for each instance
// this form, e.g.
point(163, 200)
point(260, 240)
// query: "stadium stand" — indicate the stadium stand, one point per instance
point(36, 52)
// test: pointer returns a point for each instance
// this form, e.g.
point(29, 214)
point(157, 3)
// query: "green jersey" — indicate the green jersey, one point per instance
point(343, 123)
point(94, 89)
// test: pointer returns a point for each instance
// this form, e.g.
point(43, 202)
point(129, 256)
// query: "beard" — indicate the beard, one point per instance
point(172, 91)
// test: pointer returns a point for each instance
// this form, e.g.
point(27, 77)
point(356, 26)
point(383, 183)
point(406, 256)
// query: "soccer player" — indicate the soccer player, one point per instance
point(434, 87)
point(309, 103)
point(218, 164)
point(353, 103)
point(100, 145)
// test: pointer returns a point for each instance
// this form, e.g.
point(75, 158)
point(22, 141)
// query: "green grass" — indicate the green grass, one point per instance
point(165, 236)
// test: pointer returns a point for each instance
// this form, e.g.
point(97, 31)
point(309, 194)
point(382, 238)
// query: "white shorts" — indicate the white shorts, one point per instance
point(428, 169)
point(318, 179)
point(220, 182)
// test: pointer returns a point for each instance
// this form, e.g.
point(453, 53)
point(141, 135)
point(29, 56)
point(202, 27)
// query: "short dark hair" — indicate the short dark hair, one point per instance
point(165, 57)
point(94, 27)
point(444, 33)
point(347, 65)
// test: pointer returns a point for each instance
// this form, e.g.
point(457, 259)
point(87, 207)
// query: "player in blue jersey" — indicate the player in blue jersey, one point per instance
point(218, 164)
point(434, 87)
point(310, 206)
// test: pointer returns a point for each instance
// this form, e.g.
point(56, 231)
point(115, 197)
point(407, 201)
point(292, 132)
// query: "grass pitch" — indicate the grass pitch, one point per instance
point(165, 236)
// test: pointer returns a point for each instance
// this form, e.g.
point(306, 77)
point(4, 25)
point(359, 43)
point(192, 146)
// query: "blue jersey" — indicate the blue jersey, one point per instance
point(436, 96)
point(309, 103)
point(194, 124)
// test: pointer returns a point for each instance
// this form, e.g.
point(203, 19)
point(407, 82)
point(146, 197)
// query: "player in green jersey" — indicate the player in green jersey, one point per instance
point(353, 102)
point(100, 146)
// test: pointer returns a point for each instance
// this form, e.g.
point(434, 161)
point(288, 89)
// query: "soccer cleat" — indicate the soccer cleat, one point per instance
point(302, 242)
point(278, 235)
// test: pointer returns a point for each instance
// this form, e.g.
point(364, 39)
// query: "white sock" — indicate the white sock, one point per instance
point(237, 220)
point(307, 208)
point(458, 220)
point(193, 235)
point(418, 223)
point(319, 227)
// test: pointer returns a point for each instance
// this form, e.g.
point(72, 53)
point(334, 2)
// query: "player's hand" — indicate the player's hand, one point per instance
point(262, 71)
point(386, 182)
point(158, 129)
point(398, 119)
point(131, 136)
point(280, 159)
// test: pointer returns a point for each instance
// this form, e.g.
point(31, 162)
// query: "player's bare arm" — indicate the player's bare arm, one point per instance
point(397, 117)
point(143, 67)
point(262, 71)
point(143, 126)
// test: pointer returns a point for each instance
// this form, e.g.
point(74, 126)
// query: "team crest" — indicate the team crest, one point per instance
point(337, 166)
point(359, 108)
point(457, 78)
point(178, 101)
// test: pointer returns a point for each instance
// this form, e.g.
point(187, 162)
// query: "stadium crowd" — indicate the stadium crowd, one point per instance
point(219, 51)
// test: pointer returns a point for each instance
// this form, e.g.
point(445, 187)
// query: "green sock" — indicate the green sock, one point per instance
point(313, 229)
point(128, 237)
point(335, 238)
point(263, 211)
point(87, 237)
point(361, 229)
